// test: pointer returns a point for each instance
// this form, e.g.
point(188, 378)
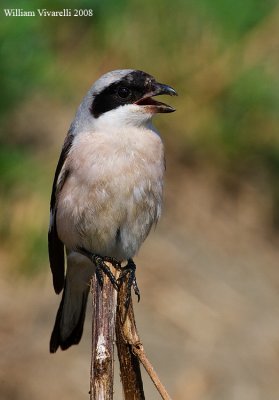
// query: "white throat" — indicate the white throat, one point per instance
point(126, 116)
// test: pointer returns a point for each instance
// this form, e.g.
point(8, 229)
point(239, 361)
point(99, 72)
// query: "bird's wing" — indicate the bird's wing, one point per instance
point(55, 246)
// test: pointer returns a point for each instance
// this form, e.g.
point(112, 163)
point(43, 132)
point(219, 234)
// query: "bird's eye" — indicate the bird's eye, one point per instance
point(124, 92)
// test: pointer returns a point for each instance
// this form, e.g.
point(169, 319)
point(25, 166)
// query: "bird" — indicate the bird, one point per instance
point(107, 191)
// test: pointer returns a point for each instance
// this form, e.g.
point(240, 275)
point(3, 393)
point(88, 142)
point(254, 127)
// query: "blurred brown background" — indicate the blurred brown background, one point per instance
point(208, 274)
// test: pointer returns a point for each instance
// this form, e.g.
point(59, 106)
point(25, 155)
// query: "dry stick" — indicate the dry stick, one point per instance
point(129, 363)
point(139, 351)
point(103, 328)
point(128, 334)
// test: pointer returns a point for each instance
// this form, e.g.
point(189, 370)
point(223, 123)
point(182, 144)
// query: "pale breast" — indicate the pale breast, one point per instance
point(113, 193)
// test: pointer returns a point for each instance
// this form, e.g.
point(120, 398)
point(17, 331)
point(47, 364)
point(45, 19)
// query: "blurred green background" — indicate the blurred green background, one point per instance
point(223, 59)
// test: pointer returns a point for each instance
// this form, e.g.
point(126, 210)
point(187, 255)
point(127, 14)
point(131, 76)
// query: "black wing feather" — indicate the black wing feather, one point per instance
point(55, 246)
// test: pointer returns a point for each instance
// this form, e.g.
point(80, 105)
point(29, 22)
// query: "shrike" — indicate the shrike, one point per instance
point(107, 190)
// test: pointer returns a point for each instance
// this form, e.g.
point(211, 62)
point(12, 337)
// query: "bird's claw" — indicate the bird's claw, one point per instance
point(102, 268)
point(130, 269)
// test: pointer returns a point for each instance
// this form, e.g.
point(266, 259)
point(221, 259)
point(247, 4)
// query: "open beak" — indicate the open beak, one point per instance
point(154, 106)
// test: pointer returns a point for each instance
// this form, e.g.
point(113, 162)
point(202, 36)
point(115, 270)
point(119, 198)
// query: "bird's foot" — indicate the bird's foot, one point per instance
point(130, 269)
point(102, 268)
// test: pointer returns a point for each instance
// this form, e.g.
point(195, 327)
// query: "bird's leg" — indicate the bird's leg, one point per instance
point(101, 267)
point(130, 269)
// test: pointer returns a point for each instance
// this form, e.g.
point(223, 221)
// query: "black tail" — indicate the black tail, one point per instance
point(75, 322)
point(70, 316)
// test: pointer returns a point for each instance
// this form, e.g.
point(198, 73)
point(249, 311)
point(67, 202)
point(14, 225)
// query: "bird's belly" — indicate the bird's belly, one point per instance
point(111, 219)
point(113, 193)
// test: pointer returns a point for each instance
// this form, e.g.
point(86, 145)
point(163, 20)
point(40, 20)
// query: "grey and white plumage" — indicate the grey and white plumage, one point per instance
point(107, 190)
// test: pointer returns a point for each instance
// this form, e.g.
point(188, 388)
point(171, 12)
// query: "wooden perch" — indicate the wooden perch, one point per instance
point(129, 343)
point(129, 363)
point(103, 328)
point(110, 315)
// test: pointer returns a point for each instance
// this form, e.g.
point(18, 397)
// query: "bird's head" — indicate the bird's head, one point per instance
point(126, 97)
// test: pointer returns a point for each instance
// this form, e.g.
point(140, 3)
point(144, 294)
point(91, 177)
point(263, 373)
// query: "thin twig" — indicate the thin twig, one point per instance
point(103, 328)
point(140, 353)
point(128, 329)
